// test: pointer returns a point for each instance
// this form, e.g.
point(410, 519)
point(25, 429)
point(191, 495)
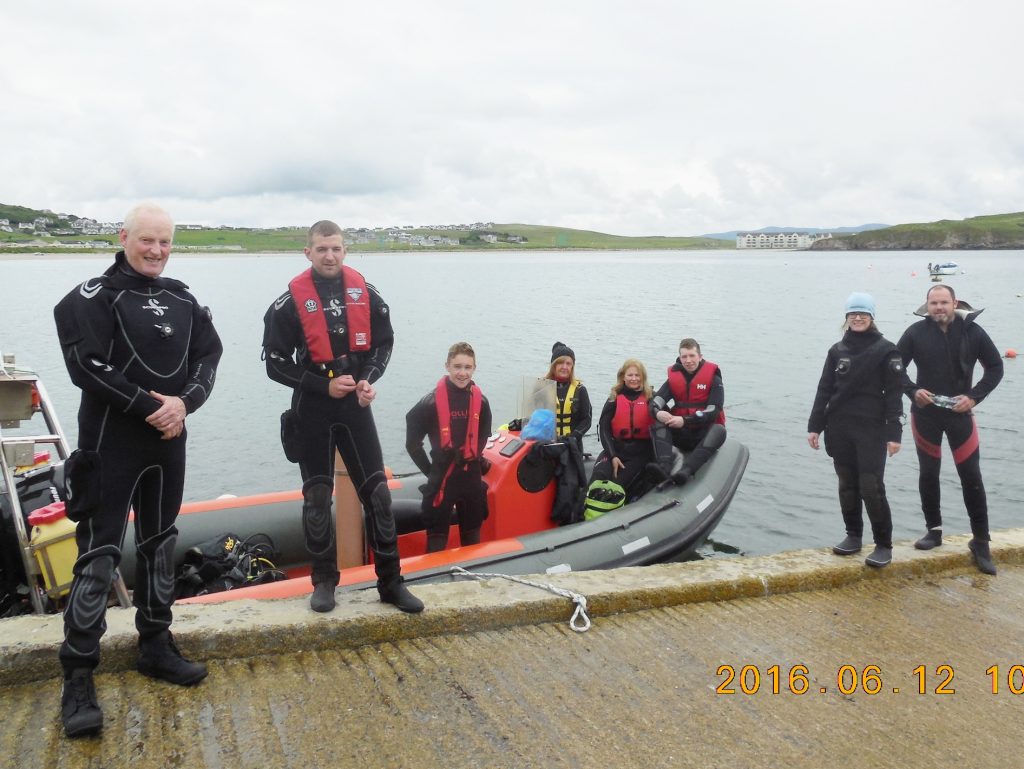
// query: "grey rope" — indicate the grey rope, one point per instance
point(579, 621)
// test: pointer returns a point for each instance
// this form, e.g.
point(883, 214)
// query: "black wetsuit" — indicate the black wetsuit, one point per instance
point(465, 483)
point(634, 453)
point(325, 423)
point(859, 405)
point(124, 335)
point(692, 436)
point(945, 366)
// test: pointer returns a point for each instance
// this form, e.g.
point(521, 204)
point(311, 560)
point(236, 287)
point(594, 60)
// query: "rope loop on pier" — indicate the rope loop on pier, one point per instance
point(580, 621)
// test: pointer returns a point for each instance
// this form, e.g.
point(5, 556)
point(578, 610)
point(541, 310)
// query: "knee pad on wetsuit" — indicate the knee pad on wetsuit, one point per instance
point(158, 554)
point(317, 522)
point(94, 573)
point(382, 520)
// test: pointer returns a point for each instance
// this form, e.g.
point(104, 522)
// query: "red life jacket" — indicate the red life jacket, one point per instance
point(314, 323)
point(632, 419)
point(691, 396)
point(471, 445)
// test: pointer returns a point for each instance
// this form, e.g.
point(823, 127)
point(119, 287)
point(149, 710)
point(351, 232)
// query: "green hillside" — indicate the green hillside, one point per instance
point(998, 231)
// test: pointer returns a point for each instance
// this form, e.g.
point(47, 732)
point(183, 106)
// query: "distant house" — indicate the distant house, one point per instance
point(787, 240)
point(27, 226)
point(489, 238)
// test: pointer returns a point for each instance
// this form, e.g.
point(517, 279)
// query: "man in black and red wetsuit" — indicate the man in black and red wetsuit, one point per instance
point(329, 338)
point(144, 353)
point(696, 417)
point(457, 418)
point(945, 347)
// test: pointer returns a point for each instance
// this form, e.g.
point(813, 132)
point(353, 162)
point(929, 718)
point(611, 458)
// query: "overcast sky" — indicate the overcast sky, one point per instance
point(673, 118)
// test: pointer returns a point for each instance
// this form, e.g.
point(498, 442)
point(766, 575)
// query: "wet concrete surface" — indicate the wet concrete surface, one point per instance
point(491, 675)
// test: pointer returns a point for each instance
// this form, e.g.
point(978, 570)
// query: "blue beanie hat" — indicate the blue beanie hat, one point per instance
point(858, 301)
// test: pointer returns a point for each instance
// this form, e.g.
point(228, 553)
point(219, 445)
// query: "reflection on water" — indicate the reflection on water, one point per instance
point(766, 318)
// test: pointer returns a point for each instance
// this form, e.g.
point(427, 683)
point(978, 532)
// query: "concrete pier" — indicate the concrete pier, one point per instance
point(801, 659)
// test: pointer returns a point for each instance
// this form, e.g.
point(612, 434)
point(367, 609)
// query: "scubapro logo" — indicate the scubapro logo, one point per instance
point(310, 305)
point(155, 306)
point(335, 308)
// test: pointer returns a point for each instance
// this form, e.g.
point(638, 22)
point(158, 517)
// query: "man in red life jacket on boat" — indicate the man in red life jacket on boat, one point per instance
point(696, 417)
point(329, 338)
point(457, 418)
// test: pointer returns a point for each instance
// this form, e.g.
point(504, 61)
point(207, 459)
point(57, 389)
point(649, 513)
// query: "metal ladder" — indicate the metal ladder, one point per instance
point(22, 395)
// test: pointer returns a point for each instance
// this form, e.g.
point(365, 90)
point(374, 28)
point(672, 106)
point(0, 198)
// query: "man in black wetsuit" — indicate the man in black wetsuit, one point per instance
point(696, 418)
point(329, 338)
point(945, 346)
point(144, 353)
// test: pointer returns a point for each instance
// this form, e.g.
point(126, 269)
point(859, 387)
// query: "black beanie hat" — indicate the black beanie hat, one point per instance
point(561, 350)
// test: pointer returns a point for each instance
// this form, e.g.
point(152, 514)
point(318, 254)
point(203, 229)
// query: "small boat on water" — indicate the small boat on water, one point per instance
point(518, 537)
point(944, 268)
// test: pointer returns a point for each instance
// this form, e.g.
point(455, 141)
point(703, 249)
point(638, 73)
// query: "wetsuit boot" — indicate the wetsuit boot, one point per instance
point(79, 709)
point(880, 556)
point(932, 538)
point(323, 599)
point(982, 556)
point(159, 657)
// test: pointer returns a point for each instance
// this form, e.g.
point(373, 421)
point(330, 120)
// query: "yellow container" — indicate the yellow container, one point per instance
point(54, 547)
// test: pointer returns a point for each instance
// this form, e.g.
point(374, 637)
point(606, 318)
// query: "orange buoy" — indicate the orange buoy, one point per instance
point(1011, 353)
point(913, 274)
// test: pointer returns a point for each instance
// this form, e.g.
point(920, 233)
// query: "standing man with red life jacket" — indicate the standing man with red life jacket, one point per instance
point(696, 417)
point(456, 417)
point(329, 338)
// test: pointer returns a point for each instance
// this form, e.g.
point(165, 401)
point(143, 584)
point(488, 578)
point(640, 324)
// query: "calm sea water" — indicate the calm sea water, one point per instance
point(766, 318)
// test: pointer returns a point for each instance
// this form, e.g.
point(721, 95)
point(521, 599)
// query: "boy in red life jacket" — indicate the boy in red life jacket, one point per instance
point(457, 418)
point(329, 338)
point(696, 417)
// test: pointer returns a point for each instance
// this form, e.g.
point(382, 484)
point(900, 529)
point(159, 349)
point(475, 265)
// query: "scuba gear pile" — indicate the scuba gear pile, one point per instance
point(227, 562)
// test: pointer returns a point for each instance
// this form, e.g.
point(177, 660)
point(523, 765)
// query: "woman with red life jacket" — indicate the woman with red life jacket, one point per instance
point(573, 412)
point(624, 430)
point(691, 405)
point(456, 417)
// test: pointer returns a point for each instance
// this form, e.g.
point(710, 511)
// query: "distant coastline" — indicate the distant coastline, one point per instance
point(27, 233)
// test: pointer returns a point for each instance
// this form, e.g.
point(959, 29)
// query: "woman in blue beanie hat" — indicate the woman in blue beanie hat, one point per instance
point(859, 407)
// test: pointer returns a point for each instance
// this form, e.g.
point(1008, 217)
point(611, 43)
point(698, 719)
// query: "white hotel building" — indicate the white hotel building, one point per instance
point(777, 239)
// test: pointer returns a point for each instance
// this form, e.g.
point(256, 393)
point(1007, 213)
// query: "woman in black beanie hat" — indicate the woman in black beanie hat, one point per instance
point(573, 412)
